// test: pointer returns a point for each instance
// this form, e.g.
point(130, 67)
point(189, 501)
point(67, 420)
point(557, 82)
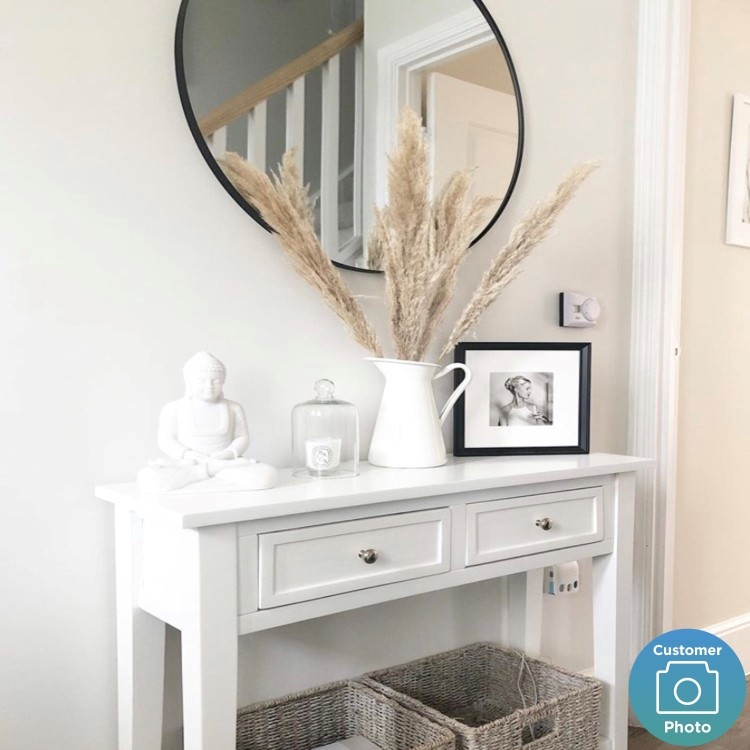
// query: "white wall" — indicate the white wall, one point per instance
point(389, 20)
point(480, 67)
point(712, 509)
point(121, 256)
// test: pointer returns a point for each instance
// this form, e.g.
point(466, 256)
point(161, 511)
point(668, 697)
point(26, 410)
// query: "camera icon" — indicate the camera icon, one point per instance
point(687, 687)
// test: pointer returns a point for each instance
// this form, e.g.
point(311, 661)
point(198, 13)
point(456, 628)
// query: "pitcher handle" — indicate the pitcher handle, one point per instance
point(451, 402)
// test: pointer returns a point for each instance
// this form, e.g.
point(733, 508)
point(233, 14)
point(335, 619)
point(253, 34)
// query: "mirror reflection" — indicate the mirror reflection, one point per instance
point(329, 77)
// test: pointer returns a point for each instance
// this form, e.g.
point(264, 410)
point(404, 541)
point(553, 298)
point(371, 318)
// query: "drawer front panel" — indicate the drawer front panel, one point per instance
point(524, 526)
point(310, 563)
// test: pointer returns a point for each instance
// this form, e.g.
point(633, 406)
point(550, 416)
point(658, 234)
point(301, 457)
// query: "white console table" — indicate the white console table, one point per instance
point(217, 565)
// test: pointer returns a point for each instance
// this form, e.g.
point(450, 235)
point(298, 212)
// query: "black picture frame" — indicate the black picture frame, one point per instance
point(584, 400)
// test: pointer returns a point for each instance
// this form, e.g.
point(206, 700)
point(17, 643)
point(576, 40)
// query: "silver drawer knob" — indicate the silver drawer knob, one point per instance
point(368, 556)
point(545, 524)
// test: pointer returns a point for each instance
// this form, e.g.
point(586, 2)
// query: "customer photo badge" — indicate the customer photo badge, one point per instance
point(687, 688)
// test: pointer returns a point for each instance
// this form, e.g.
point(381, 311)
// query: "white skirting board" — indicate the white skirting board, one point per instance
point(736, 632)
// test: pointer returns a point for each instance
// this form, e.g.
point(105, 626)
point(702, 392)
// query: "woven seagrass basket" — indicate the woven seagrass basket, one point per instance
point(333, 713)
point(476, 693)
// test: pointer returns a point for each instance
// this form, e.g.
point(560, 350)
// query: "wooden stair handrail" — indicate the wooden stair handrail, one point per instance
point(280, 79)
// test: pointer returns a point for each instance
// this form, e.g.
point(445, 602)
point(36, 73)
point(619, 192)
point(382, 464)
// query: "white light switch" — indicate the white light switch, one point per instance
point(578, 310)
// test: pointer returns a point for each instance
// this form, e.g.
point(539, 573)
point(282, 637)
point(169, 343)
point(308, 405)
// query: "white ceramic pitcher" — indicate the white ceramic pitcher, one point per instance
point(407, 432)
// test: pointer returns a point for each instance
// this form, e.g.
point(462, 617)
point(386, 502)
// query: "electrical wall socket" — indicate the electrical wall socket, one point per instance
point(563, 579)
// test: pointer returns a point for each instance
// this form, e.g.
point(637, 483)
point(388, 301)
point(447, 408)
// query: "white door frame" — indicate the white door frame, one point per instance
point(659, 183)
point(660, 146)
point(399, 63)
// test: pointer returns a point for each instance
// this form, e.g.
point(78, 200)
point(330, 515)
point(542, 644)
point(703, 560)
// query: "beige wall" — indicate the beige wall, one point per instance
point(481, 66)
point(121, 255)
point(713, 512)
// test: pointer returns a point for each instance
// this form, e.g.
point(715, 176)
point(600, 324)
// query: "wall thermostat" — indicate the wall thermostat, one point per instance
point(578, 310)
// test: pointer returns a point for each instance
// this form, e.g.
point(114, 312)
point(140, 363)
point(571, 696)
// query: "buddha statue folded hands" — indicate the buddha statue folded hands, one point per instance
point(204, 435)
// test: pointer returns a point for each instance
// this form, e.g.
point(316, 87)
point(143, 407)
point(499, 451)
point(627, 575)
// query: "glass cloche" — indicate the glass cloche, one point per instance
point(325, 435)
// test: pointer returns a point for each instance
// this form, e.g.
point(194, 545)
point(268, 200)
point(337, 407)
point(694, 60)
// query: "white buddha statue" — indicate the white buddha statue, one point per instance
point(204, 435)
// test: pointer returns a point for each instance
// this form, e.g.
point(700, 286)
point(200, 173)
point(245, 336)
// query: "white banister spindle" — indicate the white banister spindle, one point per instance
point(359, 103)
point(329, 167)
point(218, 142)
point(295, 120)
point(257, 120)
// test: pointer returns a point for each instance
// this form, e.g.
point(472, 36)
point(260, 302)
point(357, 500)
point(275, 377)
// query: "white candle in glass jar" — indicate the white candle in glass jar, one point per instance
point(322, 454)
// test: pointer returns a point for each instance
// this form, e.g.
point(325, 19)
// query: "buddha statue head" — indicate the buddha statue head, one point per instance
point(204, 377)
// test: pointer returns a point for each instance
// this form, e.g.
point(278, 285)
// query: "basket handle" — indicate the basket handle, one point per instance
point(529, 717)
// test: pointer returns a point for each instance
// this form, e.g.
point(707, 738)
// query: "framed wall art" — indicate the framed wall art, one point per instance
point(738, 190)
point(524, 399)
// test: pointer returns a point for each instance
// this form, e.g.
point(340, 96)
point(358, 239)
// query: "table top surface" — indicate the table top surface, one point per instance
point(210, 503)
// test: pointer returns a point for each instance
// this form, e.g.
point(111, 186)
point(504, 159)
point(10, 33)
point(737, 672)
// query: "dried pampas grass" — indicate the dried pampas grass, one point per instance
point(533, 229)
point(284, 204)
point(420, 242)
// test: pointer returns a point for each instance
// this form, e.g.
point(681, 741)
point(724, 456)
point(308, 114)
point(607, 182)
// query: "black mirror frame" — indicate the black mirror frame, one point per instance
point(252, 211)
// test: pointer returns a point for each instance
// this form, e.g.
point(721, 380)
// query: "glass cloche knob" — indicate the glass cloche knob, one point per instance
point(324, 390)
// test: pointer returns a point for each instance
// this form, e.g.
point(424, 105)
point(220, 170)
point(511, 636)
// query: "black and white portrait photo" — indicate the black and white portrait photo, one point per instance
point(521, 399)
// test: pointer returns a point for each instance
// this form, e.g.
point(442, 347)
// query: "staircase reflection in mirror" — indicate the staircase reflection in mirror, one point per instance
point(329, 77)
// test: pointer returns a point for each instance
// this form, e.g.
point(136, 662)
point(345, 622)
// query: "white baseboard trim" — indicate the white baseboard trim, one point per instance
point(736, 632)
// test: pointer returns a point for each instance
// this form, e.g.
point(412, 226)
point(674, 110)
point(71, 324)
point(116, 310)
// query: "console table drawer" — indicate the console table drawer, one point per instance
point(318, 561)
point(523, 526)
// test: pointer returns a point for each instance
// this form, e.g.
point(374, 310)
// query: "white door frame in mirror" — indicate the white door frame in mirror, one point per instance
point(400, 62)
point(659, 197)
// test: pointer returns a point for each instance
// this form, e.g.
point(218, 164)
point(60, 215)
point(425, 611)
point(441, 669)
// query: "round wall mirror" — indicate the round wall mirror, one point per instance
point(330, 77)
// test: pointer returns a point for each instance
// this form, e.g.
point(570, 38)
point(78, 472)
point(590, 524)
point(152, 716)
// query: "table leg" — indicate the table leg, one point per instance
point(140, 646)
point(524, 611)
point(209, 639)
point(613, 586)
